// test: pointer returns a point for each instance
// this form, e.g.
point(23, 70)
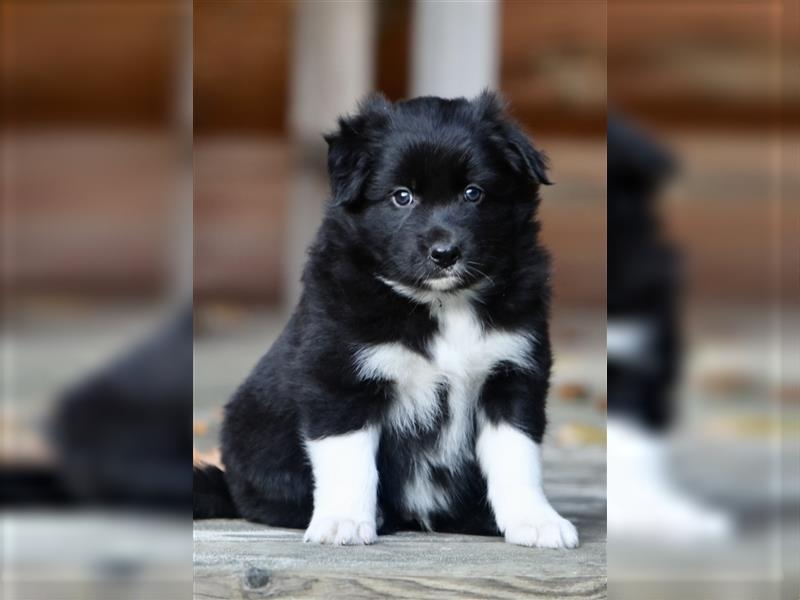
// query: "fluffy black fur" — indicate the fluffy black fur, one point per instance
point(643, 278)
point(306, 385)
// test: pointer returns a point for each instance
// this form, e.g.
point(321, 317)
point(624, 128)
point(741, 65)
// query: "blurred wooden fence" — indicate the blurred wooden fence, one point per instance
point(100, 66)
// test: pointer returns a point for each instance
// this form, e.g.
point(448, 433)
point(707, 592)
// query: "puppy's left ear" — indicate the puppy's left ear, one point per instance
point(349, 159)
point(525, 158)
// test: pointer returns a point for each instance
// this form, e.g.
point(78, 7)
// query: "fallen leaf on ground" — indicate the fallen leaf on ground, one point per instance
point(572, 391)
point(579, 434)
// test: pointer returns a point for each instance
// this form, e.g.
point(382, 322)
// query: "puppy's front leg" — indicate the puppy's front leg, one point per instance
point(511, 464)
point(345, 488)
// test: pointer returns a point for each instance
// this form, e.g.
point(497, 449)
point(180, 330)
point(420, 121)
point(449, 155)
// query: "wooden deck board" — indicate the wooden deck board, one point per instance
point(237, 559)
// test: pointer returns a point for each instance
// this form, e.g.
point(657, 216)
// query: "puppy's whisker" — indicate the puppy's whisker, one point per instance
point(472, 268)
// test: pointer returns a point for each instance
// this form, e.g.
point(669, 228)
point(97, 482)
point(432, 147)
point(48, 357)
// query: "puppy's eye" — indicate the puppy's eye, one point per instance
point(473, 193)
point(402, 197)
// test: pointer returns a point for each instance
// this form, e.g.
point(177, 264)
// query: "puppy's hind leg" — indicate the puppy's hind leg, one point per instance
point(275, 498)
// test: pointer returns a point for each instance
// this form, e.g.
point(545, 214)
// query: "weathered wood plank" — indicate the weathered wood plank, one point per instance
point(236, 559)
point(255, 582)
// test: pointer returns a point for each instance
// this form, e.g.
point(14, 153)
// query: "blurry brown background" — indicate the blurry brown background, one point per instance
point(89, 111)
point(714, 81)
point(552, 71)
point(83, 67)
point(115, 64)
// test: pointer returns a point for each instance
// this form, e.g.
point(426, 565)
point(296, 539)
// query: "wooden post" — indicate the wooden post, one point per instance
point(454, 47)
point(332, 69)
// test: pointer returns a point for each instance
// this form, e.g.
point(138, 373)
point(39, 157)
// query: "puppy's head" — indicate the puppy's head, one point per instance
point(437, 192)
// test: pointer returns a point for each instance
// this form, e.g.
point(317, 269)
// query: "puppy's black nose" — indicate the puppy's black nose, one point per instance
point(445, 255)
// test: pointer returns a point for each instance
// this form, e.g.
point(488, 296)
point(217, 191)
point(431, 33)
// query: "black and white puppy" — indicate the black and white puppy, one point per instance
point(408, 389)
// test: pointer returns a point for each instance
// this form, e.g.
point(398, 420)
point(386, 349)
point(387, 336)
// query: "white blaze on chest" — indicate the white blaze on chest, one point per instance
point(461, 354)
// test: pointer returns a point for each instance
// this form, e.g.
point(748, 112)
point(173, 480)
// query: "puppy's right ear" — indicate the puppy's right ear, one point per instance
point(349, 156)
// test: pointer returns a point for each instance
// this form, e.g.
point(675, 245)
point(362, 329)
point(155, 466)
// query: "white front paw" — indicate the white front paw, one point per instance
point(340, 532)
point(552, 531)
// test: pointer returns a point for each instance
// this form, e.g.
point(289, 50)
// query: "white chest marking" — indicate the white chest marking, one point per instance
point(462, 354)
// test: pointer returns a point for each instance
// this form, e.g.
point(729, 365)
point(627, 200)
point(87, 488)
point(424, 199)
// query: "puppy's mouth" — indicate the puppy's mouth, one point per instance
point(451, 278)
point(446, 280)
point(443, 283)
